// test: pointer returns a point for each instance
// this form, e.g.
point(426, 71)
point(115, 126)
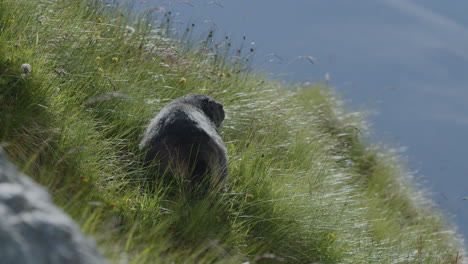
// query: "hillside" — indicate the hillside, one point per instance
point(303, 186)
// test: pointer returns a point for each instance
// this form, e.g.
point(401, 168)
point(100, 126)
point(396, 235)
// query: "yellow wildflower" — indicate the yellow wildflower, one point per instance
point(112, 204)
point(115, 59)
point(221, 74)
point(129, 201)
point(97, 59)
point(250, 196)
point(100, 69)
point(99, 20)
point(84, 179)
point(182, 80)
point(98, 36)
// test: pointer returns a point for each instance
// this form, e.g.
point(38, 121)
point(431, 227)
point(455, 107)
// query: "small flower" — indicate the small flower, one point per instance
point(84, 180)
point(129, 30)
point(331, 236)
point(250, 196)
point(99, 20)
point(26, 68)
point(112, 204)
point(128, 201)
point(182, 80)
point(98, 36)
point(11, 21)
point(100, 70)
point(221, 74)
point(97, 59)
point(115, 59)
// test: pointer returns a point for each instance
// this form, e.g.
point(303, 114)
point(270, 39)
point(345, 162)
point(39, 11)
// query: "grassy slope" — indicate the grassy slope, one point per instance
point(302, 188)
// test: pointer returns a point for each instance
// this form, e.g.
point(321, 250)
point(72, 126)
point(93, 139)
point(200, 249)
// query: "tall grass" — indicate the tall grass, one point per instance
point(303, 187)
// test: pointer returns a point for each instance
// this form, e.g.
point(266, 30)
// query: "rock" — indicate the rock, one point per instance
point(33, 229)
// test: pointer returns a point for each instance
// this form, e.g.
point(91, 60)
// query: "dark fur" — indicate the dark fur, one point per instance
point(183, 140)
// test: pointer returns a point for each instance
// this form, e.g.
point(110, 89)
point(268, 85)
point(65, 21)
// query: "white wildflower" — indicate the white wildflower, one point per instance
point(129, 30)
point(26, 68)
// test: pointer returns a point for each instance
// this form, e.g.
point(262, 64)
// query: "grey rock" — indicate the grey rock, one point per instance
point(33, 230)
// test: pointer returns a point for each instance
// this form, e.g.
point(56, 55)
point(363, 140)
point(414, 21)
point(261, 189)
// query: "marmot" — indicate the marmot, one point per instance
point(183, 140)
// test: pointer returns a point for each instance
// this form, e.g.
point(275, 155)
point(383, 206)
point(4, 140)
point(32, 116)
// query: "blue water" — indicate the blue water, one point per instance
point(405, 61)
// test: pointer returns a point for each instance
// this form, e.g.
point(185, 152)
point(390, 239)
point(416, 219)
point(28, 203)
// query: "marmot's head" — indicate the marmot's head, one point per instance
point(213, 109)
